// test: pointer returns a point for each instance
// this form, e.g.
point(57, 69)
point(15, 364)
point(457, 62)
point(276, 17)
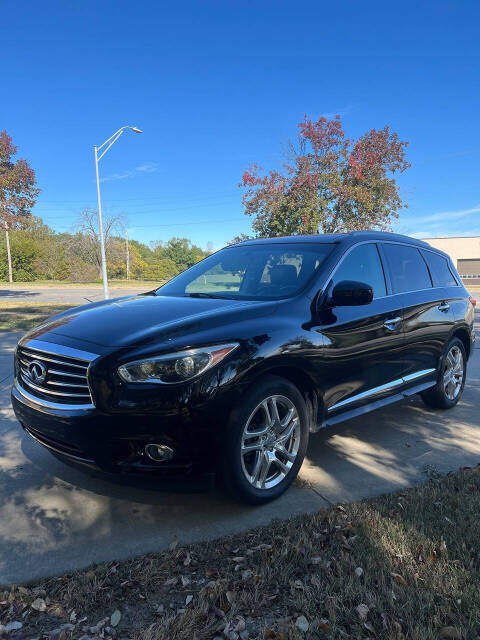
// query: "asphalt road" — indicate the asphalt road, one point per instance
point(54, 518)
point(73, 295)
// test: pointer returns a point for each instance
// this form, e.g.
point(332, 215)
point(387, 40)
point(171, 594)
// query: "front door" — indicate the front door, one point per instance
point(363, 354)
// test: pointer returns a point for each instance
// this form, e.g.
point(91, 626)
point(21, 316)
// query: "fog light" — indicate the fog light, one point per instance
point(159, 452)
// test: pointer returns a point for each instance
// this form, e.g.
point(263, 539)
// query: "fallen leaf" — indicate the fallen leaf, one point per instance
point(188, 560)
point(185, 581)
point(248, 573)
point(369, 627)
point(269, 634)
point(239, 559)
point(316, 560)
point(13, 626)
point(302, 623)
point(174, 543)
point(323, 624)
point(231, 595)
point(170, 581)
point(188, 599)
point(358, 571)
point(115, 618)
point(400, 579)
point(450, 633)
point(362, 611)
point(298, 584)
point(39, 604)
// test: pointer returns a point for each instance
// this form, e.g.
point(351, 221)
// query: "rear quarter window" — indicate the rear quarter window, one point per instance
point(408, 270)
point(440, 271)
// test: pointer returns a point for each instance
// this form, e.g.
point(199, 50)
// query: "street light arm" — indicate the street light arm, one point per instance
point(120, 131)
point(115, 138)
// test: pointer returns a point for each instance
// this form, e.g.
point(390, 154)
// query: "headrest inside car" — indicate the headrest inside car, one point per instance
point(283, 274)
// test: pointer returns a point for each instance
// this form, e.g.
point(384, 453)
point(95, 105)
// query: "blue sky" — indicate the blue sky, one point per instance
point(216, 85)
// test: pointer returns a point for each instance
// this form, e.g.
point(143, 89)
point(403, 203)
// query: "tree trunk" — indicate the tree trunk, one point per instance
point(127, 255)
point(9, 255)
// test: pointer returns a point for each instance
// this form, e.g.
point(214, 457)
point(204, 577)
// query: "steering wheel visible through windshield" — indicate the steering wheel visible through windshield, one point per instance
point(251, 272)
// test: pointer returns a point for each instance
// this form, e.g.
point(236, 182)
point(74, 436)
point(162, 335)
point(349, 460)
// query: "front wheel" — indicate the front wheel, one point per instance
point(265, 441)
point(451, 377)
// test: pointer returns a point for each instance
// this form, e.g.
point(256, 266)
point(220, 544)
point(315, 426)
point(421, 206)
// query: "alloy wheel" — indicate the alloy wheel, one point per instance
point(270, 442)
point(453, 373)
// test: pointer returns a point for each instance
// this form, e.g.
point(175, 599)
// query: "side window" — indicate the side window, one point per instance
point(362, 264)
point(439, 270)
point(407, 268)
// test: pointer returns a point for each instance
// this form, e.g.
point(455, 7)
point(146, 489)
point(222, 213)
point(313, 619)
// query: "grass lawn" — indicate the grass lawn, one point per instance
point(400, 566)
point(19, 316)
point(57, 284)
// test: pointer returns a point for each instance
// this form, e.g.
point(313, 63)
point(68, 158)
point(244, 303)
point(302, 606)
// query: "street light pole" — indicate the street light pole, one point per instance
point(100, 230)
point(110, 140)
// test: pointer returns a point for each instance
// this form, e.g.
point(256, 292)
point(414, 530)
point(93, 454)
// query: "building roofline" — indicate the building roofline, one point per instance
point(449, 237)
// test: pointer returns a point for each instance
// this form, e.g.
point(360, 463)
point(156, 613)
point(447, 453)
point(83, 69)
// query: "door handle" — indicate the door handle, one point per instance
point(391, 324)
point(444, 306)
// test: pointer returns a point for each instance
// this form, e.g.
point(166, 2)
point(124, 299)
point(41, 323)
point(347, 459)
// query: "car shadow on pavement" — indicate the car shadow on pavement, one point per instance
point(15, 293)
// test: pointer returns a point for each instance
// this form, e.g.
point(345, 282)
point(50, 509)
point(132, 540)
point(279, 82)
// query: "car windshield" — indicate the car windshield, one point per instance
point(251, 272)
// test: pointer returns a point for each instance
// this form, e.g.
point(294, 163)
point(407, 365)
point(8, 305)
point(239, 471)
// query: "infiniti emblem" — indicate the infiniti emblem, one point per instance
point(36, 371)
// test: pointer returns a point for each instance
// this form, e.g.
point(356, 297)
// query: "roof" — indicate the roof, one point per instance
point(353, 236)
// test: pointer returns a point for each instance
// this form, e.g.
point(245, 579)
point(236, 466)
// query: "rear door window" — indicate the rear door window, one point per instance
point(408, 270)
point(439, 270)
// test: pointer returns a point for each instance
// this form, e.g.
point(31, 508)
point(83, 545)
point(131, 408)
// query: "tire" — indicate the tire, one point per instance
point(453, 361)
point(266, 469)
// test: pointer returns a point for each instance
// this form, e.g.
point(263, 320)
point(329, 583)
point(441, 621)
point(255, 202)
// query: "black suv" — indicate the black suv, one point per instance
point(229, 366)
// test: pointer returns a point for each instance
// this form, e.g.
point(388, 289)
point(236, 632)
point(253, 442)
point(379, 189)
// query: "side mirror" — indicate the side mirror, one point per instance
point(349, 293)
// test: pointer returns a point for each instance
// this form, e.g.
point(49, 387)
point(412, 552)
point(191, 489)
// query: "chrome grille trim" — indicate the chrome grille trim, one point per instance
point(46, 403)
point(59, 350)
point(64, 386)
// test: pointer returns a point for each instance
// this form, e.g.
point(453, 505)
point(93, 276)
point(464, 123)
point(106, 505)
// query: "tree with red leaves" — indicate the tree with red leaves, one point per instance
point(18, 192)
point(329, 184)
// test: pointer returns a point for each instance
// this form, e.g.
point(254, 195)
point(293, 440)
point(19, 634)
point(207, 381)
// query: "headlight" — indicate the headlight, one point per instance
point(175, 367)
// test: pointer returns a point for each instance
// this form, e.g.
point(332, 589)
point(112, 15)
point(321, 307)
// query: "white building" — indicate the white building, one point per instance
point(465, 254)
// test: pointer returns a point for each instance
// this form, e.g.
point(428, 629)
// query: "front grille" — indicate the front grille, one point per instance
point(53, 377)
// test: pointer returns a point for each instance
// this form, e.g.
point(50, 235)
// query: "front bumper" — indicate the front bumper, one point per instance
point(116, 442)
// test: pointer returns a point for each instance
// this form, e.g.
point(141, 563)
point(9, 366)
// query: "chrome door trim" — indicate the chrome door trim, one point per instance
point(380, 241)
point(417, 374)
point(384, 387)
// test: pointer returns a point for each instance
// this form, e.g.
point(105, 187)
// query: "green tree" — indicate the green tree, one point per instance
point(18, 192)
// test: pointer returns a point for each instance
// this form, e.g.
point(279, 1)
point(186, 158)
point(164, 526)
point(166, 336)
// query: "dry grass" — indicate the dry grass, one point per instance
point(21, 316)
point(404, 565)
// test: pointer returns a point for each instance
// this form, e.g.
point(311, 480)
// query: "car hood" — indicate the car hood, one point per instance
point(139, 319)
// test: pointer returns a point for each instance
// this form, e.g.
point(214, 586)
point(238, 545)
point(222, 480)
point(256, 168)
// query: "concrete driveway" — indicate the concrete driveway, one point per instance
point(54, 518)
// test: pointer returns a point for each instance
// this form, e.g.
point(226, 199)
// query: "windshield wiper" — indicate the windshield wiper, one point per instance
point(201, 294)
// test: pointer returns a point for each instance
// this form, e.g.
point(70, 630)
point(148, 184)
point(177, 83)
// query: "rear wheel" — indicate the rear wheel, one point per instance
point(451, 378)
point(266, 441)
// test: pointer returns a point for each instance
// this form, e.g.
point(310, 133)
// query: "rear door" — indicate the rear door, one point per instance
point(362, 357)
point(427, 311)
